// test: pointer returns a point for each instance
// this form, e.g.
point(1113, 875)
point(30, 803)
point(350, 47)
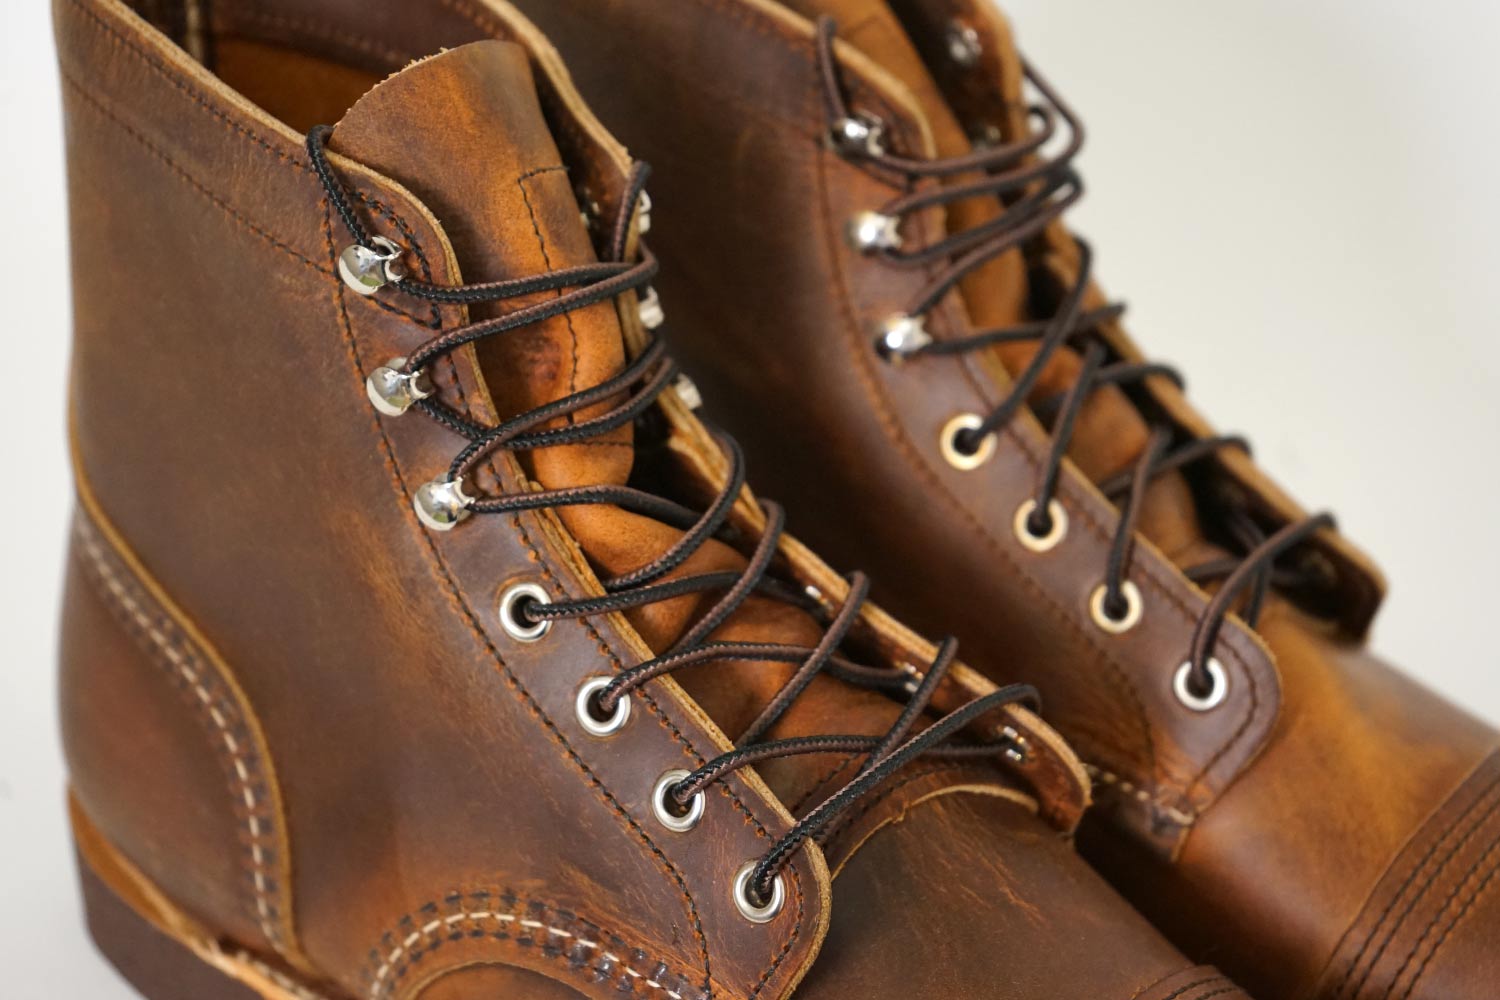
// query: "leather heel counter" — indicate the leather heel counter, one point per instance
point(161, 753)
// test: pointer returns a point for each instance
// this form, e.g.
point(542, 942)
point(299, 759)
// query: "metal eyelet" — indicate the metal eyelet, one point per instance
point(900, 335)
point(643, 216)
point(1108, 622)
point(393, 391)
point(757, 913)
point(964, 45)
point(1201, 703)
point(649, 307)
point(1056, 513)
point(859, 135)
point(512, 607)
point(585, 707)
point(687, 391)
point(369, 269)
point(666, 810)
point(442, 504)
point(1017, 748)
point(871, 231)
point(952, 444)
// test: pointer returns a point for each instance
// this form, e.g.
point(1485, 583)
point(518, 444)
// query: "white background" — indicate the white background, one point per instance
point(1298, 200)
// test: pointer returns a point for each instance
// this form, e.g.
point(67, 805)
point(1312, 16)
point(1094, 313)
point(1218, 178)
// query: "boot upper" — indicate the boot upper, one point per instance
point(419, 804)
point(1258, 829)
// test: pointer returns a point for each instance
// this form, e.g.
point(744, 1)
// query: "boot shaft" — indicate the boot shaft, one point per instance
point(228, 455)
point(267, 648)
point(1211, 815)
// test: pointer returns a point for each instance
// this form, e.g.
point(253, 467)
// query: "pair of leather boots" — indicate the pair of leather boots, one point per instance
point(421, 641)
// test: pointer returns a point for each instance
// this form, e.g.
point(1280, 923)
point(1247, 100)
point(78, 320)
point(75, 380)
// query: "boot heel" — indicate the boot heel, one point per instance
point(157, 966)
point(161, 951)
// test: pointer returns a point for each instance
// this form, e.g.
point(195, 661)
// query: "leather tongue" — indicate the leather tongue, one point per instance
point(464, 132)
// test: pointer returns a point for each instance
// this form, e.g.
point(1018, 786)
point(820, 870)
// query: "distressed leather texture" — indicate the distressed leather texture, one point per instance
point(1258, 834)
point(293, 709)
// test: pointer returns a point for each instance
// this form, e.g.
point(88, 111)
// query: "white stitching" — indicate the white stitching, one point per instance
point(182, 662)
point(1101, 776)
point(478, 916)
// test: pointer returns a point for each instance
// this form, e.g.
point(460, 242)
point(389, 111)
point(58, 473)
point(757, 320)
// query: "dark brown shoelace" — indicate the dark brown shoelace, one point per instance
point(637, 387)
point(1035, 189)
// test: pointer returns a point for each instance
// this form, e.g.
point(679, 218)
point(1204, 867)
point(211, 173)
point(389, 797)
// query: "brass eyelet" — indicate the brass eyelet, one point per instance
point(1056, 513)
point(1108, 622)
point(951, 442)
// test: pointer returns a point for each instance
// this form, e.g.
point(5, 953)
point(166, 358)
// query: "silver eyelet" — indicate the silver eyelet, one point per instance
point(1201, 703)
point(651, 312)
point(1106, 621)
point(643, 217)
point(393, 391)
point(762, 913)
point(1056, 513)
point(964, 46)
point(900, 335)
point(952, 447)
point(688, 392)
point(442, 504)
point(369, 269)
point(859, 135)
point(511, 602)
point(662, 806)
point(870, 231)
point(583, 707)
point(1017, 748)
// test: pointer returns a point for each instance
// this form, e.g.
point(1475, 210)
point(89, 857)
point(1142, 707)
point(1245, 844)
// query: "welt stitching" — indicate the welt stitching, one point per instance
point(179, 657)
point(507, 675)
point(1428, 883)
point(915, 460)
point(398, 959)
point(1443, 909)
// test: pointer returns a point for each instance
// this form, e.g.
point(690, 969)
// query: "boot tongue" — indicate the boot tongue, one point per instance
point(464, 132)
point(1111, 433)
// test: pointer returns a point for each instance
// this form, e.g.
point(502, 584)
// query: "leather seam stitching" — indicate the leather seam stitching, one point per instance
point(1109, 779)
point(896, 434)
point(388, 976)
point(507, 675)
point(1488, 857)
point(1392, 928)
point(214, 709)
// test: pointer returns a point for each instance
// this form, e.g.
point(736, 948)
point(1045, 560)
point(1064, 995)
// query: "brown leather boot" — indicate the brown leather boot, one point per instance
point(419, 641)
point(865, 242)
